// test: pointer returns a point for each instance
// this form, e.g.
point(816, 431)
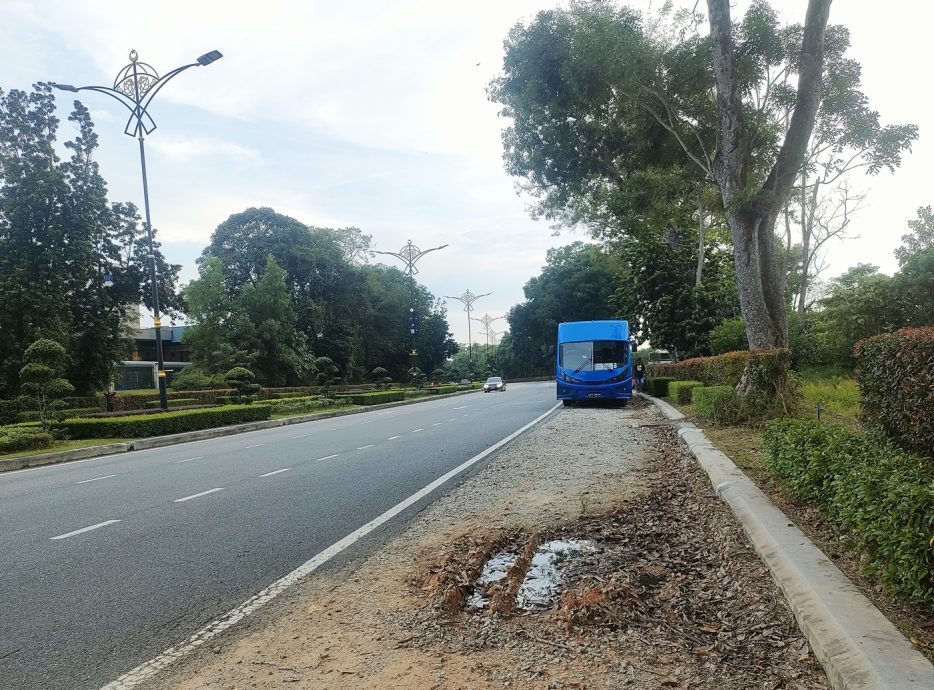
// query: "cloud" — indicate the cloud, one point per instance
point(184, 148)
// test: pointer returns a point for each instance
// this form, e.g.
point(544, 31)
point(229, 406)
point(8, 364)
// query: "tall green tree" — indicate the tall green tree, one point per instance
point(59, 237)
point(576, 284)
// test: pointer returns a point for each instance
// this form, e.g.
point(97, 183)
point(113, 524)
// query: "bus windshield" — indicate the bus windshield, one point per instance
point(597, 355)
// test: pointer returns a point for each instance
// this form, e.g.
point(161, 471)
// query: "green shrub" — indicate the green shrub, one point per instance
point(191, 378)
point(770, 390)
point(658, 386)
point(13, 440)
point(729, 336)
point(680, 391)
point(33, 415)
point(719, 370)
point(896, 379)
point(720, 404)
point(242, 380)
point(881, 495)
point(162, 423)
point(174, 402)
point(374, 398)
point(9, 411)
point(441, 390)
point(308, 404)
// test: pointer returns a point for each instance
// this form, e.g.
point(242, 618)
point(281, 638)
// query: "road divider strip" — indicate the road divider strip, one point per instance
point(149, 669)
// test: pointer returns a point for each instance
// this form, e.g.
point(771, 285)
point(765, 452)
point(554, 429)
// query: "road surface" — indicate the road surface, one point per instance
point(108, 562)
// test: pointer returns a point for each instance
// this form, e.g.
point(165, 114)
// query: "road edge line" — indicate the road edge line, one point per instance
point(149, 669)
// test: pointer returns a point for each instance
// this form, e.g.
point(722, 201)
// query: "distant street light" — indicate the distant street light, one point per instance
point(409, 255)
point(486, 320)
point(134, 88)
point(467, 299)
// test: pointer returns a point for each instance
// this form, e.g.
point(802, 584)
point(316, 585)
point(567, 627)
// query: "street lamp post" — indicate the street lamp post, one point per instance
point(134, 88)
point(467, 299)
point(409, 255)
point(487, 320)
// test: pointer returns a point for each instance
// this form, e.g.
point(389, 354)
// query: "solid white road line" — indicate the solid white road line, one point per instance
point(255, 445)
point(96, 479)
point(85, 529)
point(149, 669)
point(197, 495)
point(393, 438)
point(368, 445)
point(269, 474)
point(415, 431)
point(179, 462)
point(326, 457)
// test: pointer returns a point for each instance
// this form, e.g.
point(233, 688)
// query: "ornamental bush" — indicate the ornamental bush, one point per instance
point(719, 404)
point(13, 440)
point(162, 423)
point(878, 493)
point(658, 386)
point(719, 370)
point(374, 398)
point(895, 372)
point(680, 391)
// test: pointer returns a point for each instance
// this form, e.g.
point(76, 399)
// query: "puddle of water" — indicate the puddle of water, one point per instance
point(543, 580)
point(494, 570)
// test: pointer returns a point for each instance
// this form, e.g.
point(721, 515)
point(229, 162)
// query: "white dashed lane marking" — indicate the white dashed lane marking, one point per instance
point(392, 438)
point(197, 495)
point(269, 474)
point(96, 479)
point(368, 445)
point(179, 462)
point(85, 529)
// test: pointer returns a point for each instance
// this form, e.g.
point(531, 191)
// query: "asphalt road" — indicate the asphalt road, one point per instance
point(107, 562)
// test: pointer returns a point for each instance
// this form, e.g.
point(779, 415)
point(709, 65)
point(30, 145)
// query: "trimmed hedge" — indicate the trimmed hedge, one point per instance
point(720, 404)
point(374, 398)
point(895, 372)
point(658, 386)
point(680, 391)
point(33, 415)
point(174, 402)
point(9, 411)
point(15, 440)
point(162, 423)
point(877, 492)
point(719, 370)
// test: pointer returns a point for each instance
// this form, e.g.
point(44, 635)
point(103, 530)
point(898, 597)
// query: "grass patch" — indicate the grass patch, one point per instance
point(838, 395)
point(743, 445)
point(65, 445)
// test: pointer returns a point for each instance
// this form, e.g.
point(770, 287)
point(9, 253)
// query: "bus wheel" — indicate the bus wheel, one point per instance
point(622, 403)
point(568, 403)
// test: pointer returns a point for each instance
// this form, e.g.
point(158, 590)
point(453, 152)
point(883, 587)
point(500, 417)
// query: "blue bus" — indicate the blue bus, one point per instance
point(592, 361)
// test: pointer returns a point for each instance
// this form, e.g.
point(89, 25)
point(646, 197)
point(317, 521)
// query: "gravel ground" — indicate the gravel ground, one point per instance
point(671, 596)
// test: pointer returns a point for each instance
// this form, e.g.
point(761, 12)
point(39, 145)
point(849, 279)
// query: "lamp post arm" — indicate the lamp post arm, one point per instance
point(106, 90)
point(433, 249)
point(163, 80)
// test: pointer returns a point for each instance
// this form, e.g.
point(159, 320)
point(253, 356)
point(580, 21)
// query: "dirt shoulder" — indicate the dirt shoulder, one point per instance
point(655, 586)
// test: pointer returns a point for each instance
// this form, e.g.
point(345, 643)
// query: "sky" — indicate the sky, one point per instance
point(375, 115)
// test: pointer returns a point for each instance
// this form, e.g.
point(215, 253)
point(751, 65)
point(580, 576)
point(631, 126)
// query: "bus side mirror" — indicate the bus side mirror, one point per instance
point(635, 348)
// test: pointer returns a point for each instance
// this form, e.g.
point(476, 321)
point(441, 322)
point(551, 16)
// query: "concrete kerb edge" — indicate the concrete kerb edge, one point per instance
point(26, 461)
point(857, 646)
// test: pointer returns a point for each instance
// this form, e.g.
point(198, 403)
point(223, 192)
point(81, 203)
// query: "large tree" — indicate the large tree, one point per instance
point(59, 238)
point(596, 96)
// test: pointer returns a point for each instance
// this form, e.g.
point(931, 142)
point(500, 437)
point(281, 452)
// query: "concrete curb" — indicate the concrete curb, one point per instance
point(22, 462)
point(857, 646)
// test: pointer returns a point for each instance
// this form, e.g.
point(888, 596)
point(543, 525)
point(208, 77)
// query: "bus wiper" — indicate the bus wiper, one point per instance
point(580, 368)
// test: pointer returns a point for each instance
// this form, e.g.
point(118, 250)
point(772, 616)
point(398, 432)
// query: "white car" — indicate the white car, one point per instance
point(494, 383)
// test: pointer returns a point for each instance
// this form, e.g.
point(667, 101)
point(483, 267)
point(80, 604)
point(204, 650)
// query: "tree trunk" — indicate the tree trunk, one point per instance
point(808, 211)
point(752, 212)
point(699, 274)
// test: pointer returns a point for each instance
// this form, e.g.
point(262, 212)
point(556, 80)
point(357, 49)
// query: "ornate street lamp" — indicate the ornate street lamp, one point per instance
point(467, 299)
point(134, 88)
point(486, 320)
point(409, 255)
